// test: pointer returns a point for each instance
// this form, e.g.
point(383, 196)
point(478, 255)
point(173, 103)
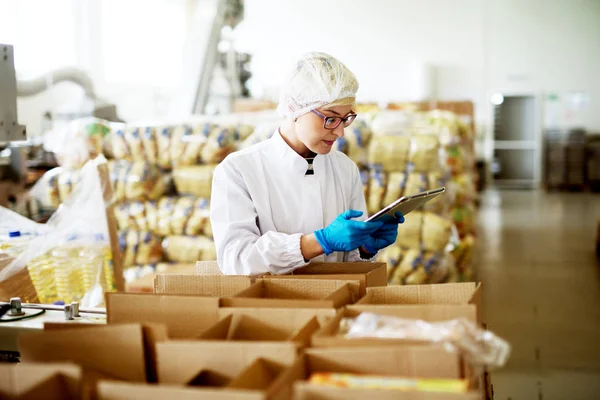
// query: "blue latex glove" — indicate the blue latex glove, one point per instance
point(384, 236)
point(344, 234)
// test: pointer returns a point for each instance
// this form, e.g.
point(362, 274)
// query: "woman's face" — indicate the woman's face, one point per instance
point(310, 131)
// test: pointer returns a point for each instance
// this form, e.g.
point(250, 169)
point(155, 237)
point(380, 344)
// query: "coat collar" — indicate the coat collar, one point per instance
point(289, 159)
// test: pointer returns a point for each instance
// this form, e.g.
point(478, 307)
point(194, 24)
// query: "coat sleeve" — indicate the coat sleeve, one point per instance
point(357, 202)
point(241, 249)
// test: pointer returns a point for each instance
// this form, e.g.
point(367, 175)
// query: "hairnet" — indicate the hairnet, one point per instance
point(317, 80)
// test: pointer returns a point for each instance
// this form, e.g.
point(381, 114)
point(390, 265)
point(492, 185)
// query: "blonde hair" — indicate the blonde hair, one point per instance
point(346, 101)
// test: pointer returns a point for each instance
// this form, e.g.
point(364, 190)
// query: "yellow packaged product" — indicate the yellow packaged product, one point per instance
point(152, 215)
point(164, 212)
point(219, 144)
point(181, 215)
point(195, 180)
point(66, 181)
point(150, 144)
point(377, 188)
point(391, 255)
point(121, 212)
point(118, 145)
point(149, 249)
point(45, 191)
point(436, 232)
point(395, 187)
point(365, 179)
point(199, 219)
point(389, 152)
point(356, 381)
point(409, 233)
point(133, 138)
point(416, 183)
point(417, 277)
point(178, 142)
point(424, 153)
point(137, 212)
point(163, 140)
point(411, 260)
point(194, 144)
point(189, 249)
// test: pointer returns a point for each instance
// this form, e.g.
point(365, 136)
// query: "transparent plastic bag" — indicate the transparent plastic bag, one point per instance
point(69, 258)
point(392, 123)
point(76, 142)
point(480, 347)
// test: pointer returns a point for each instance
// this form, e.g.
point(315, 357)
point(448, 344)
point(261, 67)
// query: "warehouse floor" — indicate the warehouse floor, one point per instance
point(536, 259)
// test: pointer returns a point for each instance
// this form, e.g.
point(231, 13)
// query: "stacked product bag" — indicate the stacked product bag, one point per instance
point(161, 176)
point(68, 258)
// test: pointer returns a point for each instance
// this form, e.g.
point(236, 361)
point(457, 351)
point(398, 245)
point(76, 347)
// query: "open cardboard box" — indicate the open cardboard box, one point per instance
point(283, 316)
point(32, 381)
point(327, 335)
point(399, 361)
point(261, 380)
point(294, 293)
point(367, 273)
point(428, 302)
point(185, 316)
point(202, 285)
point(289, 325)
point(180, 361)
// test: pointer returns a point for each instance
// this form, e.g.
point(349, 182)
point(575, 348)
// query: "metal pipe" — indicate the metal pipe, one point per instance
point(37, 85)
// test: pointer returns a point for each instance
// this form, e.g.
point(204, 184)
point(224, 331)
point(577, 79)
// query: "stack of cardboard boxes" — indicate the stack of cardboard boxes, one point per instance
point(233, 337)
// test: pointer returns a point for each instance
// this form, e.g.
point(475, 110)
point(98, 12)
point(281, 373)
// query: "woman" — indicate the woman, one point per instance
point(290, 200)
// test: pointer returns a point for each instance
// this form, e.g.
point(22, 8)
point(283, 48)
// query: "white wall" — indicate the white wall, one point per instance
point(477, 47)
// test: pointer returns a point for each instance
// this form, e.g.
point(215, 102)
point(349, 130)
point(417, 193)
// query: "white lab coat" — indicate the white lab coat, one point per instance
point(262, 203)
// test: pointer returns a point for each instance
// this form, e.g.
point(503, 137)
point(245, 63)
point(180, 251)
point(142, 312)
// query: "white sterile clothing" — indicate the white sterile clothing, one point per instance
point(262, 203)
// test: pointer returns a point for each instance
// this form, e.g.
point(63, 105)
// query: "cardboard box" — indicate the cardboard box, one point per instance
point(145, 284)
point(32, 381)
point(283, 316)
point(327, 335)
point(201, 285)
point(428, 302)
point(400, 361)
point(367, 273)
point(179, 362)
point(185, 316)
point(116, 352)
point(261, 380)
point(267, 325)
point(294, 293)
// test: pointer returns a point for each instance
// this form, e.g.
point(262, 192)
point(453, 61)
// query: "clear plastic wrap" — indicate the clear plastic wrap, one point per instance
point(184, 215)
point(194, 180)
point(68, 258)
point(188, 249)
point(387, 123)
point(480, 347)
point(76, 142)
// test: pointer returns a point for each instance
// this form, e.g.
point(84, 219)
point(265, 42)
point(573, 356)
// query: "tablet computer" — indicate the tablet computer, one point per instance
point(407, 204)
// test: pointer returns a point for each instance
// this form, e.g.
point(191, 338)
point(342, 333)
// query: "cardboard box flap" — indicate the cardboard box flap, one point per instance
point(309, 289)
point(108, 390)
point(368, 274)
point(287, 319)
point(180, 361)
point(259, 375)
point(217, 286)
point(425, 312)
point(208, 268)
point(419, 361)
point(115, 351)
point(208, 378)
point(294, 318)
point(307, 391)
point(35, 381)
point(185, 316)
point(445, 293)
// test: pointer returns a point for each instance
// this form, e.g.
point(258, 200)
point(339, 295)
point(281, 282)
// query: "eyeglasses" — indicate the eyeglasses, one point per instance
point(333, 122)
